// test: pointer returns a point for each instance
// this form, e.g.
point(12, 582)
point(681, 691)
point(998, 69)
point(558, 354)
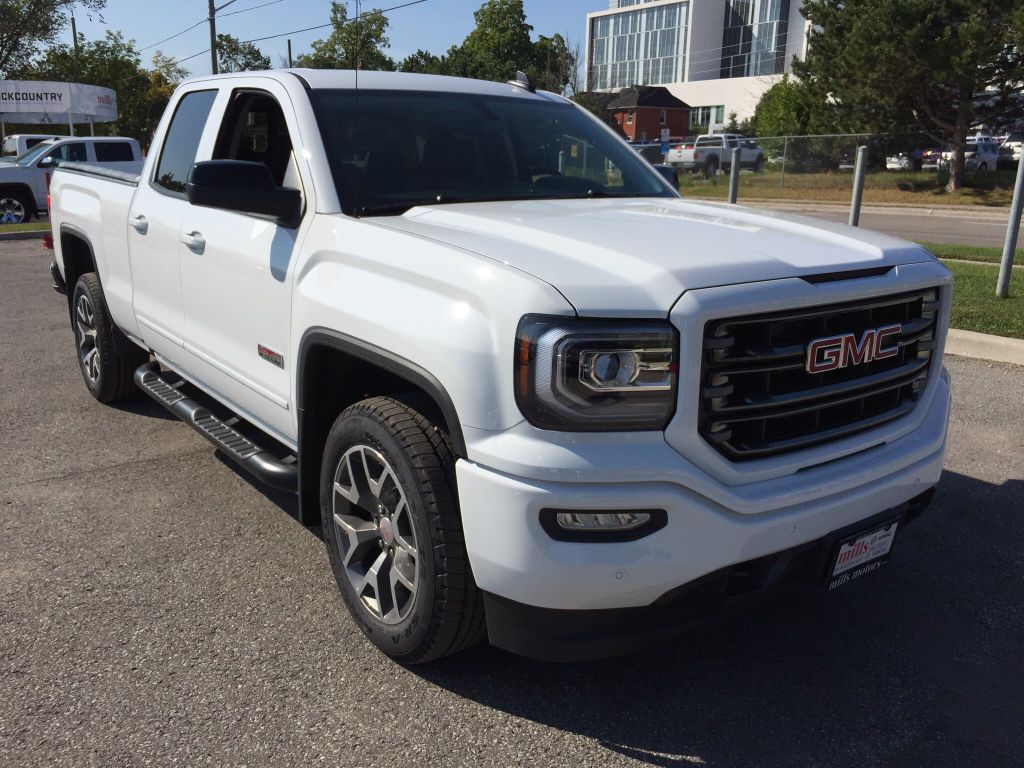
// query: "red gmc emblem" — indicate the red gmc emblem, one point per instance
point(834, 352)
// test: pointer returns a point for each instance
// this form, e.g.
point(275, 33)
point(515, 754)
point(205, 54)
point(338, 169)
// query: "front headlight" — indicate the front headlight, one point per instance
point(589, 375)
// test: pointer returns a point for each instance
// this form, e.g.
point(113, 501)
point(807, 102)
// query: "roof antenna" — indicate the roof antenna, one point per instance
point(523, 81)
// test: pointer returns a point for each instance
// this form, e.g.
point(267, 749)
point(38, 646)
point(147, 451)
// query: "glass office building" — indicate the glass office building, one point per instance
point(645, 46)
point(754, 37)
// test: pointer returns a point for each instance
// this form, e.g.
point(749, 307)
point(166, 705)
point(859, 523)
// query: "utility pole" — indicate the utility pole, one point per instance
point(213, 32)
point(74, 34)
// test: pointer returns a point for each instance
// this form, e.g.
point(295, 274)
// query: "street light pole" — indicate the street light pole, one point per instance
point(213, 32)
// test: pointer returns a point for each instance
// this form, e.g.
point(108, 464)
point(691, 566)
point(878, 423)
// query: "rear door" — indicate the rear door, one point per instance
point(154, 226)
point(69, 151)
point(237, 274)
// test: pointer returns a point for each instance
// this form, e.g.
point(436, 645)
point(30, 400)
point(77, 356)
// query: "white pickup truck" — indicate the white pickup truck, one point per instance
point(713, 151)
point(529, 392)
point(25, 181)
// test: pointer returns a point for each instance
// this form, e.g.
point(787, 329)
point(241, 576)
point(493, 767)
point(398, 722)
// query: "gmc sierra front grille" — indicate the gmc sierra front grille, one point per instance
point(757, 398)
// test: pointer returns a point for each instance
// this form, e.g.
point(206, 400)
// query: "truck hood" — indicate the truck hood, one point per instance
point(639, 255)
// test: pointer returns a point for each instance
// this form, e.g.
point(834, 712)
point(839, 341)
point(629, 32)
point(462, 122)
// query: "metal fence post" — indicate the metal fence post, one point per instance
point(858, 185)
point(734, 175)
point(785, 146)
point(1012, 228)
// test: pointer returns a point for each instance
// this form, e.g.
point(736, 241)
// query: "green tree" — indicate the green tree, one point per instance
point(26, 25)
point(425, 63)
point(937, 66)
point(782, 110)
point(353, 43)
point(500, 43)
point(112, 62)
point(554, 63)
point(235, 56)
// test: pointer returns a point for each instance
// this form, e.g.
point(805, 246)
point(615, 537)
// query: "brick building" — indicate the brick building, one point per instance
point(641, 111)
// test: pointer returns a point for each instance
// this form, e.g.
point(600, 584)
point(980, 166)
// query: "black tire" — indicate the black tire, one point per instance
point(108, 372)
point(445, 612)
point(710, 168)
point(16, 207)
point(983, 167)
point(759, 165)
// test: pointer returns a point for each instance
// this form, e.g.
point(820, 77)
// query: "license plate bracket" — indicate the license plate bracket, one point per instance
point(861, 553)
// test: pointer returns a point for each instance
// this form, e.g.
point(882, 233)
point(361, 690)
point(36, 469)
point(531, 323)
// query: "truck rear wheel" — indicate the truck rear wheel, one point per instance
point(394, 534)
point(710, 168)
point(107, 364)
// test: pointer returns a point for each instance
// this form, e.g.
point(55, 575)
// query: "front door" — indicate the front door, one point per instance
point(236, 272)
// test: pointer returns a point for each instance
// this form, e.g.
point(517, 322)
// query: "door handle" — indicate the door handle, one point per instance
point(194, 241)
point(139, 223)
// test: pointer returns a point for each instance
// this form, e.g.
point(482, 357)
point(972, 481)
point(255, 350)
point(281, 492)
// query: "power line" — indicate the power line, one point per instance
point(203, 21)
point(294, 31)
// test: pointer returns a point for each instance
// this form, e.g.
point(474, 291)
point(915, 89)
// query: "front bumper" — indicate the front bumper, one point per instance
point(566, 635)
point(532, 580)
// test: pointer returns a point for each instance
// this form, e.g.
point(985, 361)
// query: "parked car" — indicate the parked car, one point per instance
point(711, 152)
point(565, 413)
point(978, 155)
point(24, 183)
point(933, 158)
point(1010, 148)
point(19, 143)
point(906, 161)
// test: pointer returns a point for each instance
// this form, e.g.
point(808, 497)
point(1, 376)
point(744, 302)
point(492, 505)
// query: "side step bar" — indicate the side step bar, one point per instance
point(251, 457)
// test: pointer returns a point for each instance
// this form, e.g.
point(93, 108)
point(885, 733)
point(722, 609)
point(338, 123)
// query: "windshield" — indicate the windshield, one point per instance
point(29, 155)
point(420, 148)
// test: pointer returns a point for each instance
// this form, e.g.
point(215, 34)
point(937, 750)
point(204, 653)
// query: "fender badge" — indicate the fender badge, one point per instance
point(270, 355)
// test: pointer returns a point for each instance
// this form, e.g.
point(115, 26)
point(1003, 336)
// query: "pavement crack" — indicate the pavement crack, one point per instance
point(132, 463)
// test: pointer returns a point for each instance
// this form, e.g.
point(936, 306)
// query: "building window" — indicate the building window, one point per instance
point(704, 117)
point(662, 117)
point(629, 117)
point(754, 37)
point(645, 46)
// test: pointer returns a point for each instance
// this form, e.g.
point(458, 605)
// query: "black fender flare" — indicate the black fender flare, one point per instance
point(396, 365)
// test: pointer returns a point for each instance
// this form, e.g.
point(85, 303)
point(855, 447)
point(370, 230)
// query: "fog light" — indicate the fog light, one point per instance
point(601, 526)
point(601, 521)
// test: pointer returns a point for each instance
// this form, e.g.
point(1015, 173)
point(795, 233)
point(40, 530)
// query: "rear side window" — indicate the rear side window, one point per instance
point(113, 152)
point(182, 141)
point(709, 141)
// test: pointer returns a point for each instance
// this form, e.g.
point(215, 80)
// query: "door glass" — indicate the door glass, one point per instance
point(113, 151)
point(182, 141)
point(254, 129)
point(73, 151)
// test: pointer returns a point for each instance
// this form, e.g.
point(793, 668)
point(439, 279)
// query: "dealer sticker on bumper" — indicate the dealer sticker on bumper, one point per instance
point(862, 554)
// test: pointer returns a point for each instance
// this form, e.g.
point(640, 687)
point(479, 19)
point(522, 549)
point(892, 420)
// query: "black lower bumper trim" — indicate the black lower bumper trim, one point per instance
point(569, 635)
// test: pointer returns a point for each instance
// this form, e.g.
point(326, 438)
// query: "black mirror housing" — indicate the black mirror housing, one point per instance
point(245, 187)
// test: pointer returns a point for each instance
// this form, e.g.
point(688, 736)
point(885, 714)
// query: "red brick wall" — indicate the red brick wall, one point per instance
point(645, 121)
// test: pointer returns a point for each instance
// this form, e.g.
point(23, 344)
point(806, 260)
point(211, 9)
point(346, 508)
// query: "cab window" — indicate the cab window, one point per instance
point(254, 129)
point(73, 151)
point(181, 144)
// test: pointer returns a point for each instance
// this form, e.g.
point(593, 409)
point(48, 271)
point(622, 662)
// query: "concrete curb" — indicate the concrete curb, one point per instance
point(36, 235)
point(983, 346)
point(891, 209)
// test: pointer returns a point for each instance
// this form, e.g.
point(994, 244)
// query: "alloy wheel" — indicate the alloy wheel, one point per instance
point(376, 538)
point(12, 211)
point(85, 327)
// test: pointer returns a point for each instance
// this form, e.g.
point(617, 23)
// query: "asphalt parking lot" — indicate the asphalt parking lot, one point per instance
point(157, 608)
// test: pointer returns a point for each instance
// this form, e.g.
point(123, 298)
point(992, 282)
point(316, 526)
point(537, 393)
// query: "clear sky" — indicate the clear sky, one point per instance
point(433, 25)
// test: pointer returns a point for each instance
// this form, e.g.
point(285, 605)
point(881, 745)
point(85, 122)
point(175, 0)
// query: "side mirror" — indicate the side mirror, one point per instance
point(669, 173)
point(246, 187)
point(48, 162)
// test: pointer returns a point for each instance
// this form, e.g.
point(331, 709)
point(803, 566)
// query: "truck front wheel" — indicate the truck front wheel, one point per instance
point(393, 531)
point(107, 365)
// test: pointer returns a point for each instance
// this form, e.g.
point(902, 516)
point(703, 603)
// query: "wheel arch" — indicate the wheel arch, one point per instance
point(76, 255)
point(335, 370)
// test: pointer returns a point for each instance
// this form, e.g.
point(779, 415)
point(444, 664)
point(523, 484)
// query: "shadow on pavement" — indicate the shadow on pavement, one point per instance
point(919, 665)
